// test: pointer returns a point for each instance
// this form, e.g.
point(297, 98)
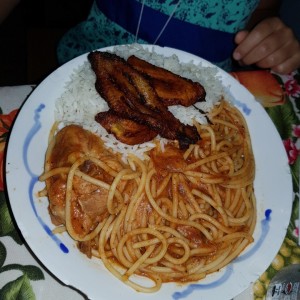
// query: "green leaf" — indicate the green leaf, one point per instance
point(283, 116)
point(7, 227)
point(297, 102)
point(294, 217)
point(16, 236)
point(2, 255)
point(295, 167)
point(32, 272)
point(6, 224)
point(19, 289)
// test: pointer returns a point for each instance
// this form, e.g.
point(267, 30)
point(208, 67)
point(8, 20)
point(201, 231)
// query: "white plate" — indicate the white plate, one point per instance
point(25, 159)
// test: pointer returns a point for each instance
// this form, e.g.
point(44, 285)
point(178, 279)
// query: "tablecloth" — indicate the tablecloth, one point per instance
point(22, 276)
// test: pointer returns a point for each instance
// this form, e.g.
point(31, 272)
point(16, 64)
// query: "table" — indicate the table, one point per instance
point(22, 276)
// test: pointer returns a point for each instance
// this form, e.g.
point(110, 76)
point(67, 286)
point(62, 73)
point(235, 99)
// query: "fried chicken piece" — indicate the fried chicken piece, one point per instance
point(89, 202)
point(130, 96)
point(125, 130)
point(171, 88)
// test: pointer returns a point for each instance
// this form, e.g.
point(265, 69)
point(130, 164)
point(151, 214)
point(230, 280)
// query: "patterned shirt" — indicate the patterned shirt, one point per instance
point(203, 27)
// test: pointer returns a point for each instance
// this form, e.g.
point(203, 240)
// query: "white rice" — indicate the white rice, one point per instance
point(80, 101)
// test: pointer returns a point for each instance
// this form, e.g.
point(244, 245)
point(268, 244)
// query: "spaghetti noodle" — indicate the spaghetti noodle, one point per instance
point(175, 216)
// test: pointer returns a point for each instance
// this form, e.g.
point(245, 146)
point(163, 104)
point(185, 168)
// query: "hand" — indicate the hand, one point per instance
point(271, 44)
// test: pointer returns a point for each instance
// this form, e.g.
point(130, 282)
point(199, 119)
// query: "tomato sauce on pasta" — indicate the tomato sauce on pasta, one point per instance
point(174, 216)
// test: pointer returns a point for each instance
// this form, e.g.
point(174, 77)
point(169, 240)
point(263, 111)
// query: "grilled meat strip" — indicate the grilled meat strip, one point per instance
point(131, 96)
point(171, 88)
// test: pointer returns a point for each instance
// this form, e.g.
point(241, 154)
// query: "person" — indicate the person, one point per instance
point(248, 32)
point(6, 7)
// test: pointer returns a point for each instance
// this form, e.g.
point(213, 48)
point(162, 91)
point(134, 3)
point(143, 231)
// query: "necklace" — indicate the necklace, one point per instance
point(163, 28)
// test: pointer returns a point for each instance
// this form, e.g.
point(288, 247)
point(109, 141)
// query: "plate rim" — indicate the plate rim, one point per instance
point(40, 88)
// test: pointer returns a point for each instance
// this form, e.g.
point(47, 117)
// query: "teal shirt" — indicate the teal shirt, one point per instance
point(107, 25)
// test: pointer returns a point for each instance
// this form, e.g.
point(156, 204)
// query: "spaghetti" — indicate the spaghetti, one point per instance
point(174, 217)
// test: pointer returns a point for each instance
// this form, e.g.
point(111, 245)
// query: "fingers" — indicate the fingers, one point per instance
point(271, 44)
point(258, 41)
point(240, 36)
point(284, 60)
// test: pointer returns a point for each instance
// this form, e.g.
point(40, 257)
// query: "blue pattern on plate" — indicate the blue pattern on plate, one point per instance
point(243, 106)
point(34, 177)
point(193, 287)
point(265, 226)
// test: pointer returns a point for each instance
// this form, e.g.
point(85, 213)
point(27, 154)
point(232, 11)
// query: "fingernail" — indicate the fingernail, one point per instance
point(236, 55)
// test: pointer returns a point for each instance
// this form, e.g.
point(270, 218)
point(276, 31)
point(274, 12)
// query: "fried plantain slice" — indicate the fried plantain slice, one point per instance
point(126, 131)
point(170, 87)
point(131, 96)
